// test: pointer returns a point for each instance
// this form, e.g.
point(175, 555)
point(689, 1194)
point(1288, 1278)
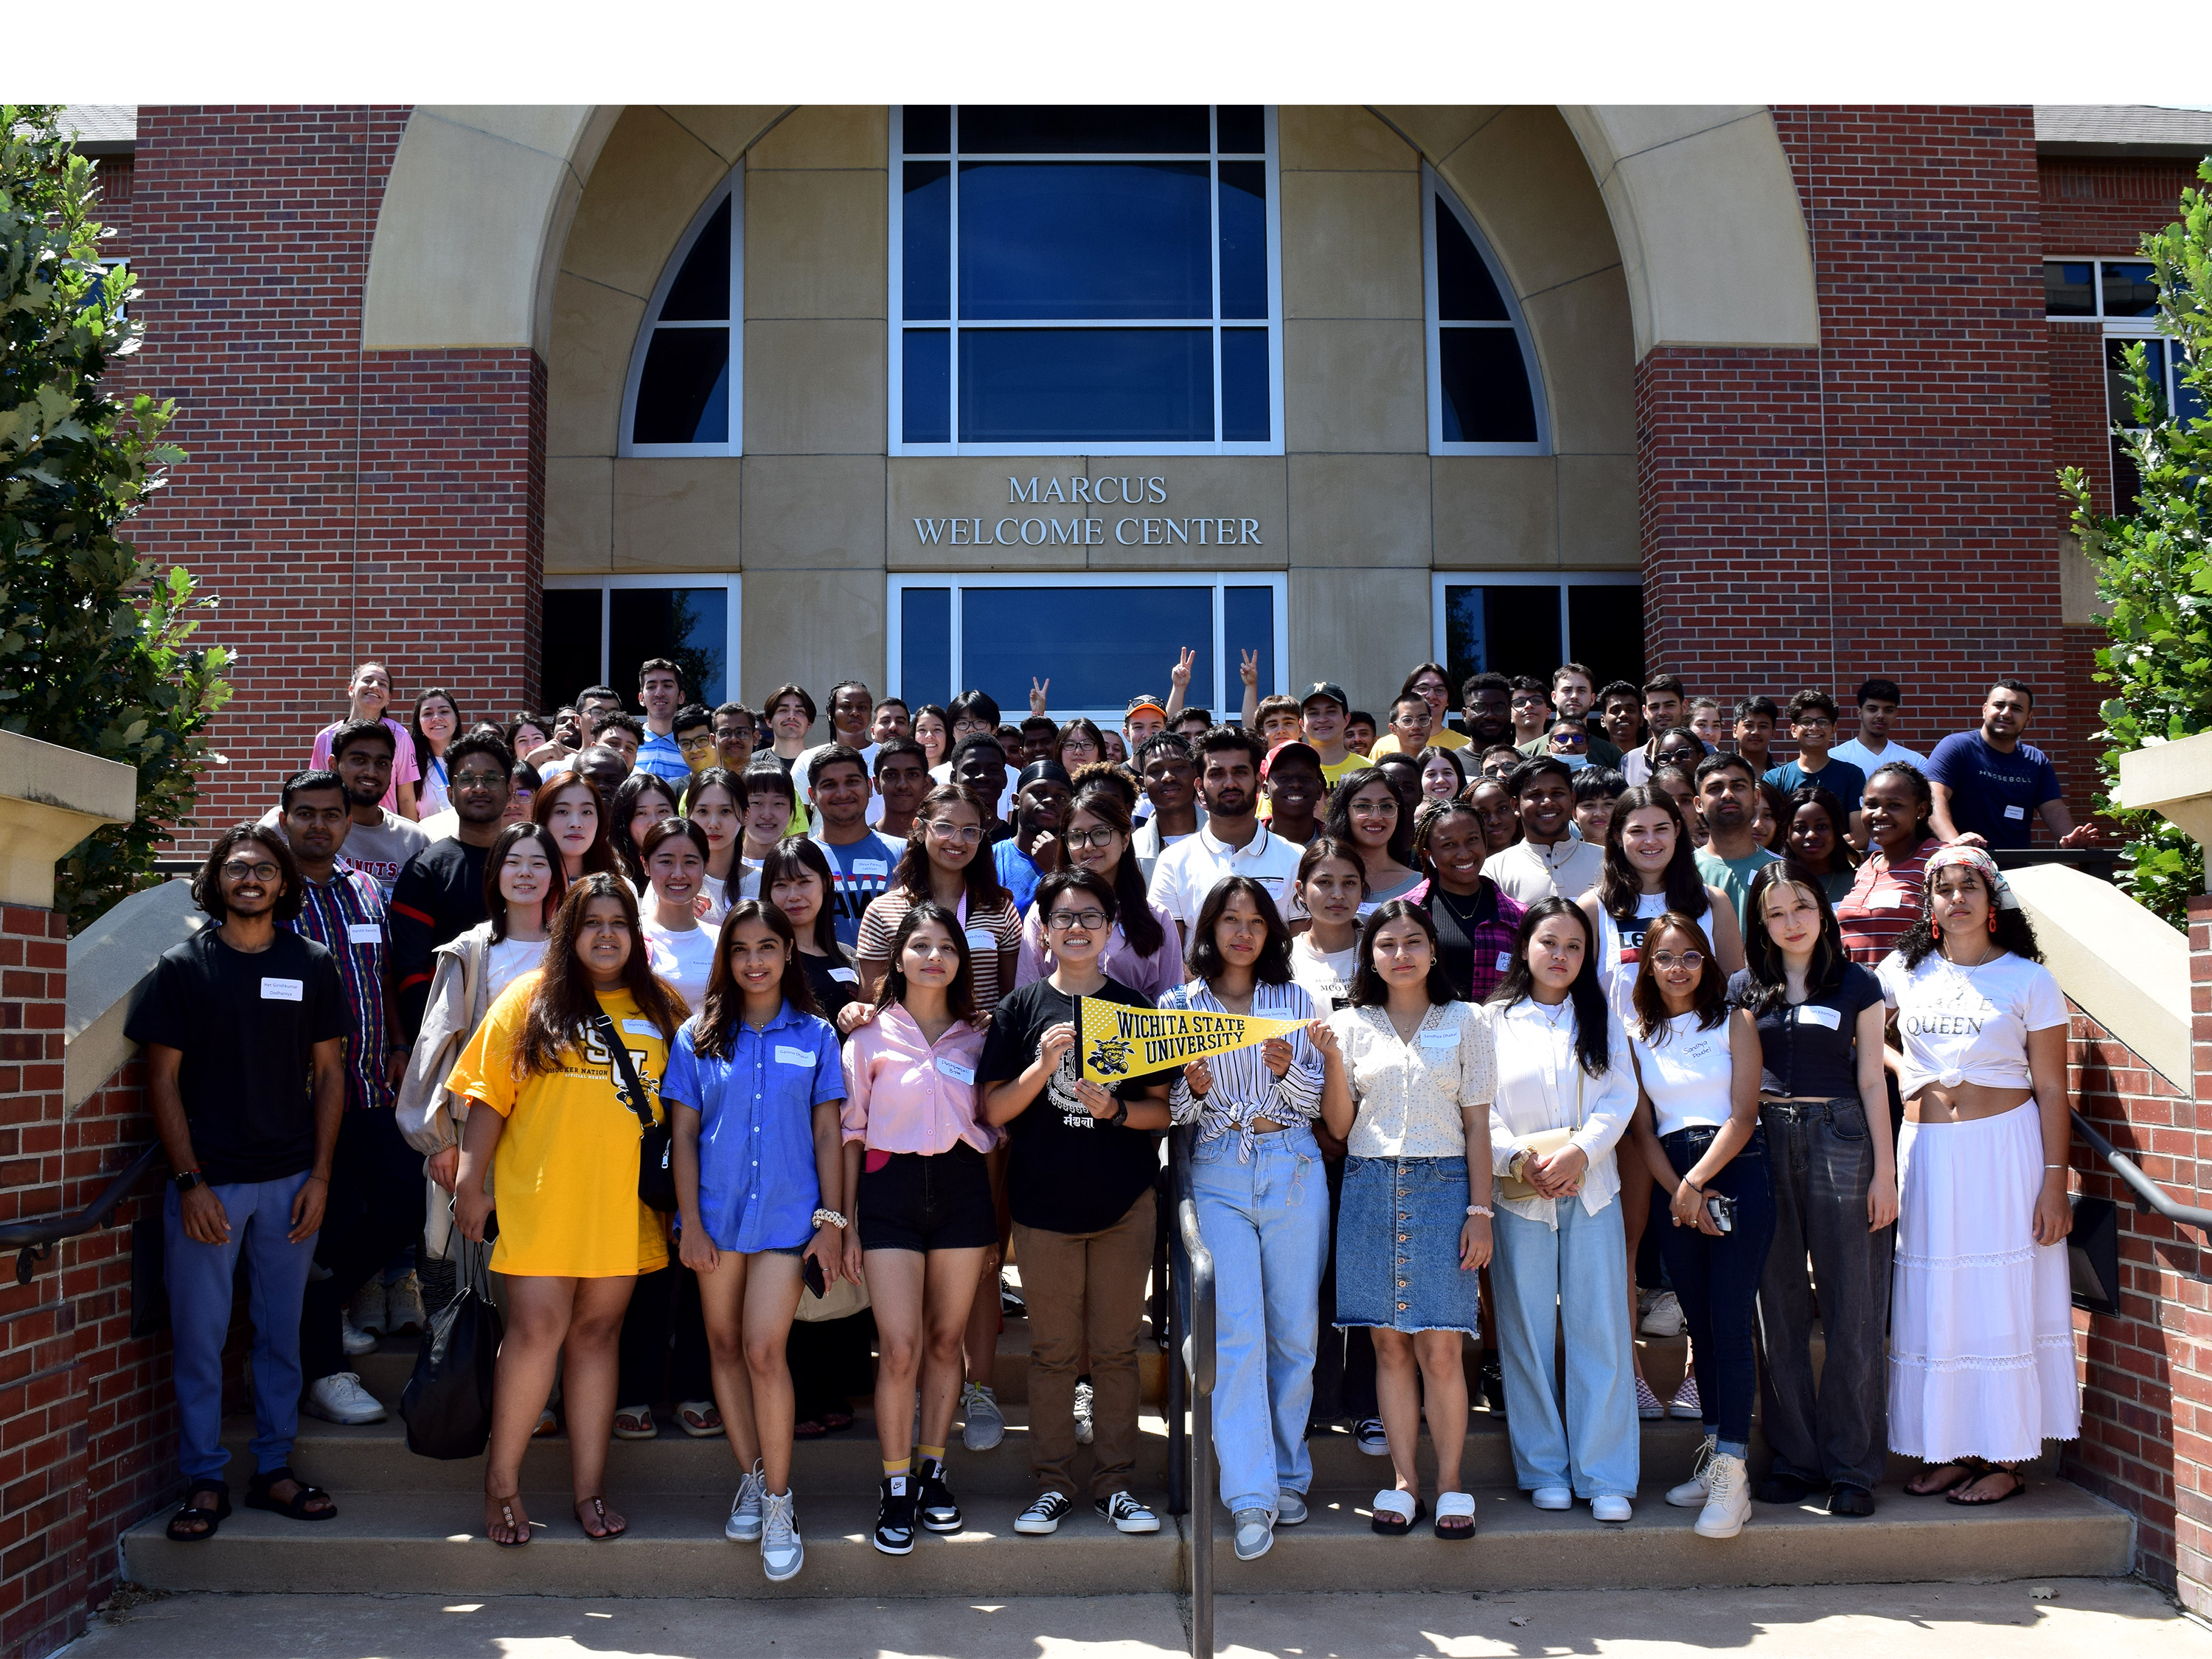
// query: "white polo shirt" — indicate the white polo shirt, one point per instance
point(1190, 870)
point(1566, 869)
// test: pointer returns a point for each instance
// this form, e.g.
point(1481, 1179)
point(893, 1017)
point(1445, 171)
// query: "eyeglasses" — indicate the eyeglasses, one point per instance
point(478, 780)
point(1570, 739)
point(1530, 703)
point(969, 833)
point(1665, 961)
point(243, 871)
point(1088, 920)
point(689, 743)
point(1099, 837)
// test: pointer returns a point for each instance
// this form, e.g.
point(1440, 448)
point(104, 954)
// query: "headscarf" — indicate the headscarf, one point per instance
point(1981, 863)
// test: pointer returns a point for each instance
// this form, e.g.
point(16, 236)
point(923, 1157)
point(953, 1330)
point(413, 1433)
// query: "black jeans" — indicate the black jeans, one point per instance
point(374, 1210)
point(1822, 1163)
point(1344, 1368)
point(1718, 1280)
point(658, 1369)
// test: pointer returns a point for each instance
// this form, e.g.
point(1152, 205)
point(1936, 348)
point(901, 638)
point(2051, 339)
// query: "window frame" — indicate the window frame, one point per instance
point(731, 582)
point(894, 418)
point(1563, 580)
point(1217, 697)
point(732, 189)
point(1434, 189)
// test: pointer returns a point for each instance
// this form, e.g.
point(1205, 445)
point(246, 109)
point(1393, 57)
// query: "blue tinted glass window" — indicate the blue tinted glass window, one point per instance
point(926, 386)
point(1486, 386)
point(1243, 239)
point(689, 626)
point(1605, 624)
point(2130, 289)
point(2069, 288)
point(1244, 401)
point(568, 645)
point(1247, 623)
point(1465, 292)
point(928, 128)
point(1081, 129)
point(1506, 630)
point(683, 391)
point(700, 292)
point(1083, 239)
point(926, 646)
point(926, 248)
point(1240, 129)
point(1112, 384)
point(1009, 634)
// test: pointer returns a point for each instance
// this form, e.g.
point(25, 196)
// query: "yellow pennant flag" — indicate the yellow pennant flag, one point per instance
point(1120, 1042)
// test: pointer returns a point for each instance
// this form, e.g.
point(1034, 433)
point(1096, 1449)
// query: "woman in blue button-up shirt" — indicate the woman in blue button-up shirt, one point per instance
point(757, 1083)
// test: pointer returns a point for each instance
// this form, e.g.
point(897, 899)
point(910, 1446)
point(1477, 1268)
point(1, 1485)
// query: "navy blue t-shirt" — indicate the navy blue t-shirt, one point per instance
point(1841, 778)
point(1993, 795)
point(863, 869)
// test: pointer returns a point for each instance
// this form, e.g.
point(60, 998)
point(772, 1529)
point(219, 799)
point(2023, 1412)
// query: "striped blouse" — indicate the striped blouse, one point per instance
point(1243, 1088)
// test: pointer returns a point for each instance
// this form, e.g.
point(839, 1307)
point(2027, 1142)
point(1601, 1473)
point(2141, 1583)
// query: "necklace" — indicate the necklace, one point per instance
point(1554, 1014)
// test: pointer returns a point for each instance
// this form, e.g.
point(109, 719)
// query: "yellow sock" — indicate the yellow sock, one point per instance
point(937, 1452)
point(904, 1466)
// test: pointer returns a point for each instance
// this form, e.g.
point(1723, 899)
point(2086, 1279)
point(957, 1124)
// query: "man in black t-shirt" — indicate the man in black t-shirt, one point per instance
point(1080, 1178)
point(245, 1029)
point(439, 894)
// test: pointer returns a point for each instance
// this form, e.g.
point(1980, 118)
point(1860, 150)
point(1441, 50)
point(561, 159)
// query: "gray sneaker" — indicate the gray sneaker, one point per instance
point(1255, 1534)
point(783, 1551)
point(1084, 1396)
point(1289, 1508)
point(745, 1523)
point(982, 1425)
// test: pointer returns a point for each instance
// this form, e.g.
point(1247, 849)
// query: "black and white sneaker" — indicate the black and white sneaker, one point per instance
point(938, 1508)
point(1127, 1514)
point(1045, 1514)
point(895, 1515)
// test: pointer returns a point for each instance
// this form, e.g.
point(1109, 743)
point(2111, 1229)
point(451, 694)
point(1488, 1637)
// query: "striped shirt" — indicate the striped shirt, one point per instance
point(1243, 1088)
point(1884, 903)
point(345, 915)
point(989, 933)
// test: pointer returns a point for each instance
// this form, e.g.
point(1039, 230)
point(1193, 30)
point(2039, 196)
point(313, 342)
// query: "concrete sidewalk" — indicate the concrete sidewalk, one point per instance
point(1897, 1622)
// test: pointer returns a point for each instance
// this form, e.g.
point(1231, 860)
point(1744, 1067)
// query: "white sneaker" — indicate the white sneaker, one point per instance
point(982, 1425)
point(744, 1525)
point(339, 1398)
point(1616, 1509)
point(355, 1340)
point(1084, 1396)
point(1666, 1317)
point(1691, 1493)
point(1551, 1497)
point(1728, 1505)
point(402, 1307)
point(783, 1551)
point(367, 1309)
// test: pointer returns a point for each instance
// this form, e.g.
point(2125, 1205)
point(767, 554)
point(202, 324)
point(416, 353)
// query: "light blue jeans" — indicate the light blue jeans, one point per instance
point(1266, 1223)
point(1580, 1271)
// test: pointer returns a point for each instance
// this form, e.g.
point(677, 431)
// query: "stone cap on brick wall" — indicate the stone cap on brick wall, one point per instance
point(2173, 779)
point(108, 962)
point(51, 799)
point(2118, 962)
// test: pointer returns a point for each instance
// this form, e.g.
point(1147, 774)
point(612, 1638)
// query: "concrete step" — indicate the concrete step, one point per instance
point(433, 1543)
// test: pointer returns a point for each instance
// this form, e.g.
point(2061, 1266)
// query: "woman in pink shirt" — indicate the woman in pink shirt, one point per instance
point(371, 694)
point(1144, 952)
point(918, 1194)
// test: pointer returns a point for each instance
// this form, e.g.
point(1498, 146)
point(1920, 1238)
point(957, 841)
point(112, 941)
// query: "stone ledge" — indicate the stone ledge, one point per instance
point(51, 799)
point(107, 965)
point(2126, 969)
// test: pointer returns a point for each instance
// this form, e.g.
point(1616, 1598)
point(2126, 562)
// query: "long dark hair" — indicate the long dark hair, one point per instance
point(794, 853)
point(1368, 990)
point(1768, 987)
point(1709, 1003)
point(912, 876)
point(960, 995)
point(1846, 856)
point(629, 858)
point(1778, 808)
point(563, 1003)
point(2013, 932)
point(207, 882)
point(598, 857)
point(508, 839)
point(1336, 822)
point(1089, 727)
point(714, 1032)
point(424, 755)
point(1620, 889)
point(1139, 925)
point(1592, 1047)
point(1202, 956)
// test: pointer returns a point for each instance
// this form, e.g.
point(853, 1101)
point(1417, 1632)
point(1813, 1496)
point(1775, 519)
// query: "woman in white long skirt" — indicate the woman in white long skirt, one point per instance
point(1981, 1355)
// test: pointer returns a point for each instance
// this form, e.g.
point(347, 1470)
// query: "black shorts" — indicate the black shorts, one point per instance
point(928, 1201)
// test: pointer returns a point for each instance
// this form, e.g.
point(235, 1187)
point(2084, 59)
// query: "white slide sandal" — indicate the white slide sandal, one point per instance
point(1395, 1512)
point(1455, 1507)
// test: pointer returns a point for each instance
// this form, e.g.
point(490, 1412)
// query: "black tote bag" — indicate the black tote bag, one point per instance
point(447, 1404)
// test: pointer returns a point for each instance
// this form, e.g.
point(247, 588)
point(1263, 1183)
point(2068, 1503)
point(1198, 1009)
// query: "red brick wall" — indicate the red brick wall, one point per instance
point(341, 504)
point(2100, 205)
point(2081, 426)
point(86, 1418)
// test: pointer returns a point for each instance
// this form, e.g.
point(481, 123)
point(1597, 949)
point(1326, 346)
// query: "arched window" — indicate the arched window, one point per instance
point(1101, 278)
point(1485, 396)
point(685, 390)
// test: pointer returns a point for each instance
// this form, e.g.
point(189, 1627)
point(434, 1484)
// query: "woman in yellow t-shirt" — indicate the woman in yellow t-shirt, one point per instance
point(563, 1149)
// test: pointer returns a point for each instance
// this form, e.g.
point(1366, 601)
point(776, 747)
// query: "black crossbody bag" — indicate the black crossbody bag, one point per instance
point(656, 1166)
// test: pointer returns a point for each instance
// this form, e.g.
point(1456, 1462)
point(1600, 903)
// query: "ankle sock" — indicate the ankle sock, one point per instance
point(931, 1454)
point(904, 1466)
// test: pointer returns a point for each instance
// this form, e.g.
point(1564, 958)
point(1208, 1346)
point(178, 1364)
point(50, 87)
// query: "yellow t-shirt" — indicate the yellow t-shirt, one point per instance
point(1333, 775)
point(1447, 738)
point(566, 1170)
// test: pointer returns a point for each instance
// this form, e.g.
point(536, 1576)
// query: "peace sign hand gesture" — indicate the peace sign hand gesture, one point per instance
point(1179, 676)
point(1249, 670)
point(1037, 689)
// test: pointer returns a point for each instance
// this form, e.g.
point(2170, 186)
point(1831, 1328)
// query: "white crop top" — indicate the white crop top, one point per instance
point(1690, 1076)
point(1968, 1025)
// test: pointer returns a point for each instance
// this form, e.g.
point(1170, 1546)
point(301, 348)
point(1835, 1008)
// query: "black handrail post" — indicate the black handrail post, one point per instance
point(2148, 1195)
point(1196, 1354)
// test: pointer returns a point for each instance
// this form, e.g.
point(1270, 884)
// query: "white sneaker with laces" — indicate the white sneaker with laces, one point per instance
point(982, 1425)
point(1691, 1493)
point(1728, 1505)
point(783, 1551)
point(367, 1309)
point(744, 1526)
point(1127, 1514)
point(402, 1307)
point(355, 1340)
point(339, 1398)
point(1666, 1317)
point(1084, 1396)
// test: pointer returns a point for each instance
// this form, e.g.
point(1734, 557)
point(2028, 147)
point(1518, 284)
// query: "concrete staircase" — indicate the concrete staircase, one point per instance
point(408, 1523)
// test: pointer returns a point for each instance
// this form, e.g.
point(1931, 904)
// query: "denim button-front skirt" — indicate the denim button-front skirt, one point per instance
point(1397, 1245)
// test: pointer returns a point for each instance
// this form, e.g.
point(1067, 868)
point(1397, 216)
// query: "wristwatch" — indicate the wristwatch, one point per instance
point(188, 1179)
point(1121, 1114)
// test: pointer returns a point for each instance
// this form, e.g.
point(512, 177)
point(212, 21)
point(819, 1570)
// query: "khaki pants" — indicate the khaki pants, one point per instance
point(1085, 1289)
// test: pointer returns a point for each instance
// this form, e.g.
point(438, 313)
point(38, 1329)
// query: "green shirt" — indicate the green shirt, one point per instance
point(1733, 876)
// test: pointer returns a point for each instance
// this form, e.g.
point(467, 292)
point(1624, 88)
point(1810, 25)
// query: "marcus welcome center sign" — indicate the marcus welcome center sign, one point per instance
point(1081, 530)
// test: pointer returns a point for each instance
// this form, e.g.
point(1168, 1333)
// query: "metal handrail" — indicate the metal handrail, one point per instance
point(2149, 1195)
point(1190, 1485)
point(34, 1240)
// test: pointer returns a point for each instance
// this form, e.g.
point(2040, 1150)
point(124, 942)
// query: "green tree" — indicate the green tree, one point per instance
point(2152, 568)
point(96, 648)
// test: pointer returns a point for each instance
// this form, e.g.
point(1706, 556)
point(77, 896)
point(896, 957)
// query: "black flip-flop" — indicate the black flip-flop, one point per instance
point(204, 1521)
point(295, 1508)
point(2019, 1486)
point(1970, 1469)
point(599, 1508)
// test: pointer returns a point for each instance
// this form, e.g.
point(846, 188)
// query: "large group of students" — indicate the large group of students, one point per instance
point(1576, 975)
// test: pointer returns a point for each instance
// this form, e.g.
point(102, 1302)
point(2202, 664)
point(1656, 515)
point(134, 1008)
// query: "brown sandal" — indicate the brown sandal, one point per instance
point(609, 1532)
point(522, 1528)
point(1969, 1468)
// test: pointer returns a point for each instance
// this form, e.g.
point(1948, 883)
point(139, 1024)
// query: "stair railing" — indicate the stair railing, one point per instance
point(34, 1240)
point(2149, 1195)
point(1190, 1386)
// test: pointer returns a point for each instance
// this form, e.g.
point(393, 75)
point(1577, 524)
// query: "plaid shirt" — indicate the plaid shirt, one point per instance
point(329, 914)
point(1489, 938)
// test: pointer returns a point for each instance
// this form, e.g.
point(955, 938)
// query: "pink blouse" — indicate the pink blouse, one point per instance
point(906, 1094)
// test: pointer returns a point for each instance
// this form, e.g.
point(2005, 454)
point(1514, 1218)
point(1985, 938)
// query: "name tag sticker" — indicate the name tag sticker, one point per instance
point(640, 1028)
point(1808, 1014)
point(982, 938)
point(1889, 899)
point(871, 867)
point(957, 1072)
point(787, 1055)
point(1504, 961)
point(844, 976)
point(1440, 1039)
point(364, 932)
point(2015, 811)
point(283, 990)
